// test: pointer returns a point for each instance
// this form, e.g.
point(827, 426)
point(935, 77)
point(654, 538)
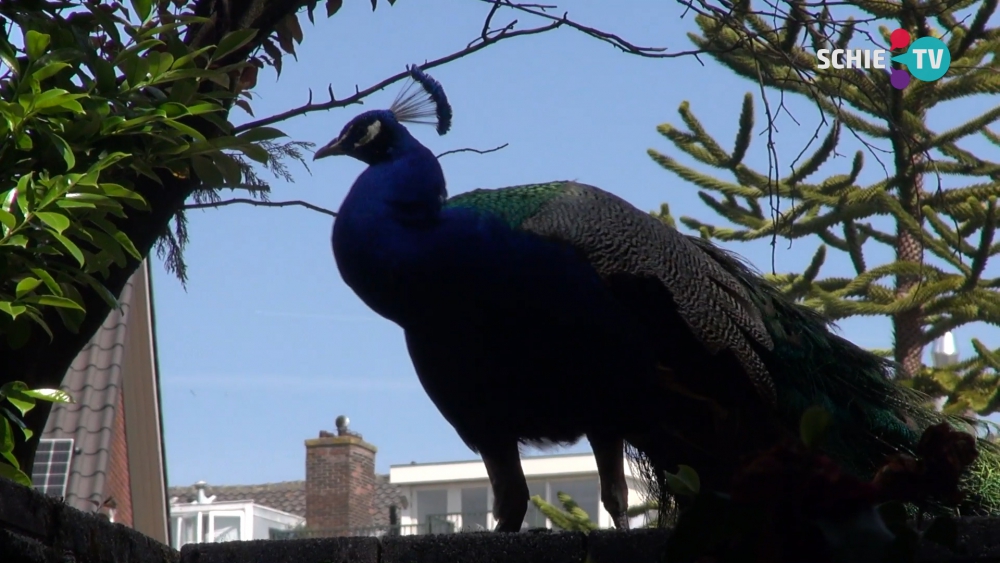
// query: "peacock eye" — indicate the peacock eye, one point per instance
point(371, 132)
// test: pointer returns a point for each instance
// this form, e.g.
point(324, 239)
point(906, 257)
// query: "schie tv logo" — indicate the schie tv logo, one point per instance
point(927, 59)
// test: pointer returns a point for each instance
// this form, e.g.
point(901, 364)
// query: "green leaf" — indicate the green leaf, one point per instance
point(815, 422)
point(24, 142)
point(233, 41)
point(8, 220)
point(25, 286)
point(71, 204)
point(685, 482)
point(261, 134)
point(13, 310)
point(54, 301)
point(119, 191)
point(22, 402)
point(8, 57)
point(14, 474)
point(230, 168)
point(107, 161)
point(142, 8)
point(185, 60)
point(50, 395)
point(10, 386)
point(48, 70)
point(185, 129)
point(67, 153)
point(104, 71)
point(159, 64)
point(18, 240)
point(73, 249)
point(25, 431)
point(255, 152)
point(333, 6)
point(57, 221)
point(58, 97)
point(36, 316)
point(50, 282)
point(207, 171)
point(36, 43)
point(7, 440)
point(126, 243)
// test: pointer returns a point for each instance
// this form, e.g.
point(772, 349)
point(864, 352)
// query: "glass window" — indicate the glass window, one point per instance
point(474, 509)
point(227, 528)
point(584, 492)
point(432, 506)
point(534, 518)
point(187, 530)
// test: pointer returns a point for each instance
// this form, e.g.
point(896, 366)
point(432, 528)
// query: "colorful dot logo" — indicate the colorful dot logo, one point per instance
point(927, 59)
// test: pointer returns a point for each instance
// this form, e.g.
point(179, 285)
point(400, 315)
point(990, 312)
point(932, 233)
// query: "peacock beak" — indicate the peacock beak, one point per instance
point(333, 148)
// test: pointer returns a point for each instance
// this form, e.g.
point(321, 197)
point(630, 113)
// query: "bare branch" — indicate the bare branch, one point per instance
point(488, 36)
point(359, 95)
point(257, 203)
point(477, 151)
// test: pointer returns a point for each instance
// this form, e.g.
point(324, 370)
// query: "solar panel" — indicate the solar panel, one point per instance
point(51, 469)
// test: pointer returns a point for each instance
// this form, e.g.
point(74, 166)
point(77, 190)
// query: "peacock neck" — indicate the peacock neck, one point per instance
point(378, 236)
point(408, 188)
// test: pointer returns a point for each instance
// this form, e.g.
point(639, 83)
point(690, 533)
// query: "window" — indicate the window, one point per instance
point(474, 509)
point(534, 518)
point(51, 468)
point(584, 492)
point(208, 527)
point(226, 528)
point(432, 506)
point(187, 531)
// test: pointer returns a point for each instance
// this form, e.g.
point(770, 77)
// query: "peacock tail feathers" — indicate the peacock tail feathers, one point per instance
point(873, 417)
point(809, 365)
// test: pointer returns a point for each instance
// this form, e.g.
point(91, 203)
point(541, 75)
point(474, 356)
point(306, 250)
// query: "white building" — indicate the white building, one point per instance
point(456, 496)
point(205, 520)
point(418, 498)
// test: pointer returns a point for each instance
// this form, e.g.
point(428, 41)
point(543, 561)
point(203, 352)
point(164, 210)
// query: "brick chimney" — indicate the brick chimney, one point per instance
point(340, 481)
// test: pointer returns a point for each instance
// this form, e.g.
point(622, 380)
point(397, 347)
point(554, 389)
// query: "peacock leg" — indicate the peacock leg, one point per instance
point(609, 454)
point(510, 490)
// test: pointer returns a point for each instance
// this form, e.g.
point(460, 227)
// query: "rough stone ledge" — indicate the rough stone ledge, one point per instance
point(979, 542)
point(37, 529)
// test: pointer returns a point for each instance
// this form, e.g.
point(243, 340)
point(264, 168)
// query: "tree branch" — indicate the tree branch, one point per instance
point(487, 37)
point(477, 151)
point(257, 203)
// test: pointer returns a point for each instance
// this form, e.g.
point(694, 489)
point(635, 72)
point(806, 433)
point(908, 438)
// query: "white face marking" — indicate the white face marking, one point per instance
point(373, 130)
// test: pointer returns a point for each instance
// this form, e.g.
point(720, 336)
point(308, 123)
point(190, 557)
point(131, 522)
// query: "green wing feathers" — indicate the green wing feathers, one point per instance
point(514, 205)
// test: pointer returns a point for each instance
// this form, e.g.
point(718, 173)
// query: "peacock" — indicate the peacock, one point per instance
point(541, 314)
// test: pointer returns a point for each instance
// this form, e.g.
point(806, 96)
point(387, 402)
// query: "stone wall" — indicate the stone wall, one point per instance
point(37, 529)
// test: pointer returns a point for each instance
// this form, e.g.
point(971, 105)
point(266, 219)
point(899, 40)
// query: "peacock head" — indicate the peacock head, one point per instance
point(371, 136)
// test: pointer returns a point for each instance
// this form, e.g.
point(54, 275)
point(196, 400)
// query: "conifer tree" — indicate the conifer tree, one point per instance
point(942, 237)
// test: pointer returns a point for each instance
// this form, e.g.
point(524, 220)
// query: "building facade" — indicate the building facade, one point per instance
point(104, 452)
point(342, 495)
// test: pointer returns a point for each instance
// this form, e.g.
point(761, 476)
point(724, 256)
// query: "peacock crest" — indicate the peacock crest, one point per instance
point(419, 105)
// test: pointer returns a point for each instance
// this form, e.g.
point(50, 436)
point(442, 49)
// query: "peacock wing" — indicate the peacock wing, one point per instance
point(619, 239)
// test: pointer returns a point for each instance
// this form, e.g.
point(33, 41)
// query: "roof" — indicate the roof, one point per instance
point(289, 496)
point(94, 381)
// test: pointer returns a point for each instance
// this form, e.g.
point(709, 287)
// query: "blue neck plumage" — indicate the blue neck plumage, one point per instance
point(408, 187)
point(394, 205)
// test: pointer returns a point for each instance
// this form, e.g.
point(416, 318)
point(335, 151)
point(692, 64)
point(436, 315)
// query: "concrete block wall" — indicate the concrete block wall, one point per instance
point(38, 529)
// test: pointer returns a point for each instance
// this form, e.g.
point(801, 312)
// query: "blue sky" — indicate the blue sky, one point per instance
point(267, 345)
